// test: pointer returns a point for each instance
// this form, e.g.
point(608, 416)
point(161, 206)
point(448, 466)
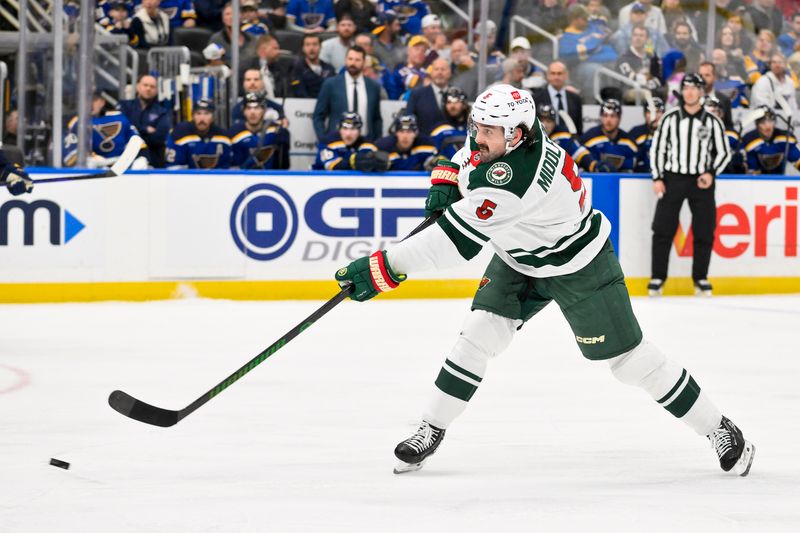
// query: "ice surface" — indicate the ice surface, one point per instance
point(304, 443)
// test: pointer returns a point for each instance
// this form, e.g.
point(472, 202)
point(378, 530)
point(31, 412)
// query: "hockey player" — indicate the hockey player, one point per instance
point(607, 142)
point(513, 188)
point(253, 141)
point(449, 136)
point(348, 150)
point(642, 134)
point(13, 177)
point(712, 105)
point(561, 136)
point(200, 143)
point(406, 148)
point(111, 131)
point(766, 147)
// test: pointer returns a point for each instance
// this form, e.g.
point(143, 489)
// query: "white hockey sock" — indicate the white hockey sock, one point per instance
point(483, 336)
point(668, 384)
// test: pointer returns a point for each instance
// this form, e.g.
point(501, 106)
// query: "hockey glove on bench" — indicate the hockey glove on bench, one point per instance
point(16, 179)
point(370, 276)
point(444, 188)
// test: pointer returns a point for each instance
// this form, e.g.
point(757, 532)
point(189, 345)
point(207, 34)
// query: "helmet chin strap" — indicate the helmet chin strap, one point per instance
point(509, 147)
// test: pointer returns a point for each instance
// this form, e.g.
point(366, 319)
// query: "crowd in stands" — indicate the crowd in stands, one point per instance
point(349, 55)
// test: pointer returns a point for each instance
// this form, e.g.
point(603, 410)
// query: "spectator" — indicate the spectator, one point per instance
point(790, 40)
point(520, 49)
point(465, 72)
point(682, 40)
point(407, 148)
point(449, 136)
point(427, 103)
point(309, 71)
point(776, 88)
point(255, 140)
point(347, 149)
point(119, 22)
point(214, 55)
point(432, 30)
point(251, 23)
point(209, 13)
point(765, 16)
point(733, 87)
point(608, 143)
point(767, 145)
point(111, 131)
point(376, 71)
point(199, 143)
point(494, 57)
point(654, 18)
point(674, 13)
point(349, 91)
point(247, 42)
point(551, 15)
point(365, 41)
point(150, 26)
point(622, 38)
point(723, 10)
point(412, 74)
point(742, 38)
point(151, 118)
point(273, 13)
point(388, 47)
point(513, 73)
point(639, 66)
point(736, 165)
point(585, 51)
point(409, 12)
point(181, 12)
point(562, 137)
point(310, 16)
point(642, 134)
point(674, 72)
point(275, 70)
point(709, 74)
point(252, 82)
point(557, 95)
point(598, 18)
point(756, 63)
point(362, 12)
point(726, 41)
point(334, 51)
point(10, 128)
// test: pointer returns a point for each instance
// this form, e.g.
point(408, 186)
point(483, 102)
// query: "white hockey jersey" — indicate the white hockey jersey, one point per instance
point(530, 205)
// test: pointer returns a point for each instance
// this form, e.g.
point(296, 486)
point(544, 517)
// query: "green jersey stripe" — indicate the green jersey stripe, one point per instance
point(460, 222)
point(675, 388)
point(460, 370)
point(581, 228)
point(685, 400)
point(454, 386)
point(566, 255)
point(466, 247)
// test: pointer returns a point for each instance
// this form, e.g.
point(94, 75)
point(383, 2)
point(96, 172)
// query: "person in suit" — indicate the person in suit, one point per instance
point(276, 71)
point(427, 103)
point(556, 95)
point(349, 91)
point(709, 73)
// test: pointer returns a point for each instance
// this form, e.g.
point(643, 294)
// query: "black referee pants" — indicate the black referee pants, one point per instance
point(665, 223)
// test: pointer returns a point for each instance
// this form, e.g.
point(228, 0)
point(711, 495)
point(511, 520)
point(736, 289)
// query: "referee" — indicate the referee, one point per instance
point(689, 150)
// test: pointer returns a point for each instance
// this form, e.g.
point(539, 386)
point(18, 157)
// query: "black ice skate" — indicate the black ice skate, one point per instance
point(655, 287)
point(413, 451)
point(734, 452)
point(702, 287)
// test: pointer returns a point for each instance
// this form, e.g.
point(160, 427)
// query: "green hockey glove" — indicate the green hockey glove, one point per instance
point(444, 187)
point(370, 276)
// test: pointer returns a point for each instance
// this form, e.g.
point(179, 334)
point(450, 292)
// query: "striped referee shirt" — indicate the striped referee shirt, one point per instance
point(689, 144)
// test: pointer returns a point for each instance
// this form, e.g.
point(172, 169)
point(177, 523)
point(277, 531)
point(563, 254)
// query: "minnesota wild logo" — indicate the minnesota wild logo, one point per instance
point(342, 271)
point(499, 174)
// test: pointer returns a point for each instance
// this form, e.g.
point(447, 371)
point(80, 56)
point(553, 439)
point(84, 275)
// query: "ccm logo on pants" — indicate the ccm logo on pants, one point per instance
point(590, 340)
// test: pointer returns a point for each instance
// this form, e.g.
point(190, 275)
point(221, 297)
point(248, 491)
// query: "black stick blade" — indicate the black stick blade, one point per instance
point(129, 406)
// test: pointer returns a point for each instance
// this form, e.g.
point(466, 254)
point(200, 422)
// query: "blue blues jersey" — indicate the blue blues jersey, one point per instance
point(619, 154)
point(409, 13)
point(767, 156)
point(256, 29)
point(562, 137)
point(412, 159)
point(643, 138)
point(253, 150)
point(102, 12)
point(186, 147)
point(335, 154)
point(311, 14)
point(178, 10)
point(736, 165)
point(110, 134)
point(449, 139)
point(403, 79)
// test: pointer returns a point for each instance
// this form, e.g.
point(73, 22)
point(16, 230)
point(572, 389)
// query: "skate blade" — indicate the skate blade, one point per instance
point(654, 293)
point(742, 466)
point(403, 467)
point(702, 293)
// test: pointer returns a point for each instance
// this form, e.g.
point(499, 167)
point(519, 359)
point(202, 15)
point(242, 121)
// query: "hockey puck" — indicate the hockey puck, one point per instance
point(59, 463)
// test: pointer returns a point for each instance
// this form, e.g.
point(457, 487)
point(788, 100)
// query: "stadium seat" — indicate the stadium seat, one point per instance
point(196, 59)
point(289, 40)
point(195, 39)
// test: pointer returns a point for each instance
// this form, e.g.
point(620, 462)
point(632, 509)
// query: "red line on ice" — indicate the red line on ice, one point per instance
point(23, 379)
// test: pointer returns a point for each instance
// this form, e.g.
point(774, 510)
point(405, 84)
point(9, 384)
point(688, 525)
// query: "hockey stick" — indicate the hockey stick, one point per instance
point(129, 406)
point(568, 122)
point(122, 164)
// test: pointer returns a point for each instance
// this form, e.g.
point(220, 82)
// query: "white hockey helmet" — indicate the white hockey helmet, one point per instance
point(506, 106)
